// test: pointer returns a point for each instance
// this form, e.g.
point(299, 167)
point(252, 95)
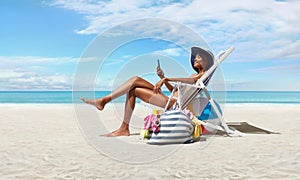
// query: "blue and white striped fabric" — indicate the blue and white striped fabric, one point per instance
point(175, 128)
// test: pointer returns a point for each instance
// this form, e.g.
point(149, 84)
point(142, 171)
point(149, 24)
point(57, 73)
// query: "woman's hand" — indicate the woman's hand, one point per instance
point(160, 72)
point(157, 86)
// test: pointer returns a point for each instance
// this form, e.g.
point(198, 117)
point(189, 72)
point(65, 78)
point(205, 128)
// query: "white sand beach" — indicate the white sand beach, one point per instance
point(47, 141)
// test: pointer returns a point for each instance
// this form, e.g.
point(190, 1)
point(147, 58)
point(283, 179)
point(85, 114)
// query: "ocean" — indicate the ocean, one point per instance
point(69, 97)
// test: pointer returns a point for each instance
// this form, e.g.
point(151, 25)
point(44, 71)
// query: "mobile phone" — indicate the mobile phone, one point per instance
point(158, 64)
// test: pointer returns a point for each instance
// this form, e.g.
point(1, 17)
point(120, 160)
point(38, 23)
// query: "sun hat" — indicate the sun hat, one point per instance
point(206, 53)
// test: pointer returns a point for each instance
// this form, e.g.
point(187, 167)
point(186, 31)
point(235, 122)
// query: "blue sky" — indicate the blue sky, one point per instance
point(42, 42)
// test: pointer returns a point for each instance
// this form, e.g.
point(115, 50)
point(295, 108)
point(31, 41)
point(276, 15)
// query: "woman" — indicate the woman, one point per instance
point(137, 87)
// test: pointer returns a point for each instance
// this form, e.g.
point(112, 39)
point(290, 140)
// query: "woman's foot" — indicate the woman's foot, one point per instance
point(118, 132)
point(98, 103)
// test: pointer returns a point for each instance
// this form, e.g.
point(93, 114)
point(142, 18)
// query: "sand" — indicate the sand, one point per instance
point(49, 141)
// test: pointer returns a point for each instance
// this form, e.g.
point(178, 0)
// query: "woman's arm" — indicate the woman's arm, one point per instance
point(190, 80)
point(161, 74)
point(169, 86)
point(157, 87)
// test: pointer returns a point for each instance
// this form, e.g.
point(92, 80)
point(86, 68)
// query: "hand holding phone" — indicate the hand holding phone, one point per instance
point(159, 72)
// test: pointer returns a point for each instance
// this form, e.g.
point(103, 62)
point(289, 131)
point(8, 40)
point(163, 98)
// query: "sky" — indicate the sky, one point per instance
point(45, 45)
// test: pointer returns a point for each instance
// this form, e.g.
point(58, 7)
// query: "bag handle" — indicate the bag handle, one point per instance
point(176, 87)
point(179, 95)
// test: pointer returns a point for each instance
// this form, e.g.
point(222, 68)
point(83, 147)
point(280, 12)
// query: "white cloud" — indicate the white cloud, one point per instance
point(20, 79)
point(35, 60)
point(287, 49)
point(114, 62)
point(284, 69)
point(249, 25)
point(39, 73)
point(170, 52)
point(265, 33)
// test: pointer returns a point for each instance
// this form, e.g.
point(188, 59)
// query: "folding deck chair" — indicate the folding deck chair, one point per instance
point(189, 92)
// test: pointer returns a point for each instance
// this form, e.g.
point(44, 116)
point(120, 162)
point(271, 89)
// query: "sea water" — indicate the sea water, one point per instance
point(69, 97)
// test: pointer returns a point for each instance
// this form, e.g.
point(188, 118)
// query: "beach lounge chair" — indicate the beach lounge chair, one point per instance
point(188, 96)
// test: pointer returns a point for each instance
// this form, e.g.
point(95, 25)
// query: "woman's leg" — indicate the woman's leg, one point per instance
point(123, 89)
point(129, 107)
point(144, 94)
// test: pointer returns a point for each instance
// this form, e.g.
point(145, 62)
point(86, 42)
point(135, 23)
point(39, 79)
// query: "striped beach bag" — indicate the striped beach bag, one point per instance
point(175, 128)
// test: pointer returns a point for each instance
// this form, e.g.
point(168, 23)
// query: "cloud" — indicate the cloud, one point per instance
point(19, 79)
point(45, 73)
point(288, 49)
point(240, 85)
point(114, 62)
point(170, 52)
point(39, 73)
point(253, 27)
point(284, 69)
point(265, 33)
point(35, 60)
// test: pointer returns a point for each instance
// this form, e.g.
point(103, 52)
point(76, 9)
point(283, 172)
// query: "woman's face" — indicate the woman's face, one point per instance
point(200, 62)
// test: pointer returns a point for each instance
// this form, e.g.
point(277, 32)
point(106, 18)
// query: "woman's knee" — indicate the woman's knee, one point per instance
point(136, 80)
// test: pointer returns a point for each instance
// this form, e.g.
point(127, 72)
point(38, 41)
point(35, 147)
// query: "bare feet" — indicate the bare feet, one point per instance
point(118, 132)
point(98, 103)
